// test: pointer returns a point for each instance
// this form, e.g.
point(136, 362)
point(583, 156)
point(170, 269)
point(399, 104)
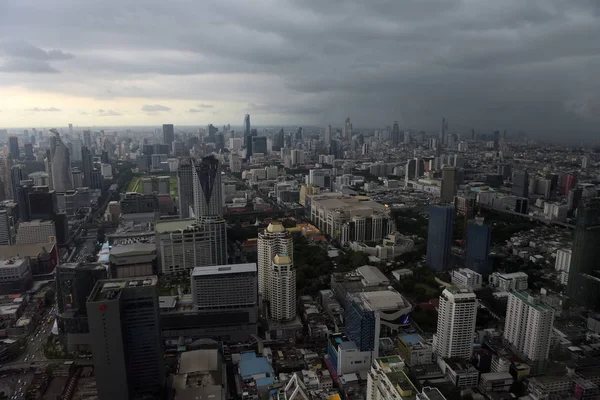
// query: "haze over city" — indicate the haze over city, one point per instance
point(521, 66)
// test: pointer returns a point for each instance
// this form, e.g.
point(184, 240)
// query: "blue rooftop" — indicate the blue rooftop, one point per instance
point(260, 382)
point(410, 339)
point(250, 365)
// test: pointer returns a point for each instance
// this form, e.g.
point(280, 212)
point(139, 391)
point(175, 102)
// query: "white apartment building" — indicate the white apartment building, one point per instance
point(272, 241)
point(282, 290)
point(466, 278)
point(507, 282)
point(387, 380)
point(36, 231)
point(563, 264)
point(106, 171)
point(528, 326)
point(14, 270)
point(456, 323)
point(320, 178)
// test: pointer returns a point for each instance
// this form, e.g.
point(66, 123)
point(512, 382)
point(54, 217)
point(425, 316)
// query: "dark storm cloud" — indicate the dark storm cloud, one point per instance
point(488, 64)
point(40, 109)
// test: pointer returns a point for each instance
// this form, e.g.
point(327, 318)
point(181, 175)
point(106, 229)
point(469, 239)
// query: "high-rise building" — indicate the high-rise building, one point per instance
point(583, 282)
point(457, 313)
point(326, 137)
point(77, 146)
point(569, 182)
point(74, 283)
point(29, 151)
point(168, 134)
point(36, 231)
point(17, 174)
point(528, 326)
point(347, 129)
point(520, 186)
point(395, 134)
point(246, 128)
point(5, 231)
point(272, 241)
point(282, 290)
point(77, 178)
point(443, 133)
point(259, 145)
point(61, 165)
point(87, 166)
point(479, 240)
point(123, 316)
point(22, 198)
point(5, 166)
point(448, 190)
point(185, 187)
point(13, 147)
point(439, 236)
point(208, 206)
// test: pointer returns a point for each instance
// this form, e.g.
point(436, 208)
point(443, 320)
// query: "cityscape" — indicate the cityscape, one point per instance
point(284, 200)
point(256, 262)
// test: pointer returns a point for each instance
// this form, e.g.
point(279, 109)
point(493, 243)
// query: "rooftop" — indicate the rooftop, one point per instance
point(372, 275)
point(25, 250)
point(275, 227)
point(12, 262)
point(251, 365)
point(385, 300)
point(172, 226)
point(224, 269)
point(110, 289)
point(35, 223)
point(282, 259)
point(133, 249)
point(531, 300)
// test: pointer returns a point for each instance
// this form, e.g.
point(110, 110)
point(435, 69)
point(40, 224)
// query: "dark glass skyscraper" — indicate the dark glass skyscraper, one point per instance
point(395, 134)
point(124, 324)
point(185, 187)
point(87, 167)
point(13, 147)
point(168, 134)
point(259, 144)
point(521, 184)
point(479, 238)
point(439, 237)
point(17, 174)
point(584, 283)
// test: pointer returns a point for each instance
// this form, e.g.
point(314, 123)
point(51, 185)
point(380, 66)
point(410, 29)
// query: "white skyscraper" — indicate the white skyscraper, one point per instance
point(282, 290)
point(528, 326)
point(272, 241)
point(208, 206)
point(61, 164)
point(456, 323)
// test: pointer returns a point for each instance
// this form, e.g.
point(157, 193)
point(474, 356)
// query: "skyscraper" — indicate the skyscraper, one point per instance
point(23, 191)
point(259, 145)
point(584, 281)
point(272, 241)
point(479, 239)
point(528, 325)
point(185, 187)
point(278, 140)
point(17, 174)
point(443, 133)
point(126, 344)
point(457, 314)
point(5, 233)
point(5, 165)
point(246, 127)
point(439, 236)
point(48, 167)
point(347, 129)
point(87, 166)
point(168, 134)
point(282, 291)
point(208, 206)
point(521, 184)
point(77, 147)
point(13, 147)
point(327, 136)
point(448, 190)
point(61, 165)
point(395, 134)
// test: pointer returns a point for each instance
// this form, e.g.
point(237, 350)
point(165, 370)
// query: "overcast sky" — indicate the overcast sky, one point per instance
point(531, 65)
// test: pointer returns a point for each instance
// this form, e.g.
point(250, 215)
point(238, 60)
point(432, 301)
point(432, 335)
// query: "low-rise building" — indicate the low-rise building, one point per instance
point(466, 278)
point(507, 282)
point(495, 382)
point(414, 350)
point(15, 275)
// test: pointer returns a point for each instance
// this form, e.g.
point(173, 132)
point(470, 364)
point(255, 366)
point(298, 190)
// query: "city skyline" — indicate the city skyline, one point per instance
point(482, 65)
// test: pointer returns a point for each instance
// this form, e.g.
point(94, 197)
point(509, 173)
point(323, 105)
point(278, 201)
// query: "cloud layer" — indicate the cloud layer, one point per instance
point(483, 64)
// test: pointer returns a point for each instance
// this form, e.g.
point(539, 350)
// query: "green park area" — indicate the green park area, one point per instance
point(135, 185)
